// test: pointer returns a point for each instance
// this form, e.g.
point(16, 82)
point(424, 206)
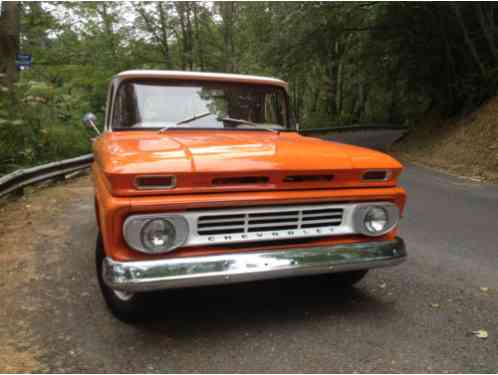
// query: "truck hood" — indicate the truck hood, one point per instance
point(206, 161)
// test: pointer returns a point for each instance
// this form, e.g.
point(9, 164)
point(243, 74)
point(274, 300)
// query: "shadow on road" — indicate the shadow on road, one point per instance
point(286, 301)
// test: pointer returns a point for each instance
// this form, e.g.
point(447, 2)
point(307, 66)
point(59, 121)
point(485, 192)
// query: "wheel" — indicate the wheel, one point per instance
point(347, 279)
point(127, 307)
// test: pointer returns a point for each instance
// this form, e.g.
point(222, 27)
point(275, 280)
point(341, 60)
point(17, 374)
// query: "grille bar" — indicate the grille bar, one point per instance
point(273, 217)
point(326, 214)
point(277, 224)
point(220, 226)
point(332, 222)
point(273, 214)
point(222, 218)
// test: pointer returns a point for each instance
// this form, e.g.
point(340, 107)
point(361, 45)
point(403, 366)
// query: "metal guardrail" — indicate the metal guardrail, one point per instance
point(23, 177)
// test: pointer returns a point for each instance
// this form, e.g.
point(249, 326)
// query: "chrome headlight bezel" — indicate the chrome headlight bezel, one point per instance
point(134, 225)
point(362, 210)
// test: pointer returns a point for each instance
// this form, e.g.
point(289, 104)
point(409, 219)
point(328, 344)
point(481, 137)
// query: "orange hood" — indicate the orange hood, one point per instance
point(197, 157)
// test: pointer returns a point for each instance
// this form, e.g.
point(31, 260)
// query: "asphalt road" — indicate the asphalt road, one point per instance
point(418, 316)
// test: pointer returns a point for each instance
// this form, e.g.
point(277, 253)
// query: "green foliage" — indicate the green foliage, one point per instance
point(45, 130)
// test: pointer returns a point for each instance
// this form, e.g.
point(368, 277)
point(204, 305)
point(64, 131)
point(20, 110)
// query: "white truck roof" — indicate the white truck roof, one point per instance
point(189, 75)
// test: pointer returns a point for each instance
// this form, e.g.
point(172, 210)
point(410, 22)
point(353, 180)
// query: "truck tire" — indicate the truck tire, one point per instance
point(125, 306)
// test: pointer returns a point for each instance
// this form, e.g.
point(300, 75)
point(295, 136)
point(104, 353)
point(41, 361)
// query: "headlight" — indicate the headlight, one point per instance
point(158, 235)
point(154, 234)
point(375, 219)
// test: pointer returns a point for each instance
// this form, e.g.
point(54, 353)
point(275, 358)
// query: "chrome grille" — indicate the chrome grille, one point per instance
point(268, 223)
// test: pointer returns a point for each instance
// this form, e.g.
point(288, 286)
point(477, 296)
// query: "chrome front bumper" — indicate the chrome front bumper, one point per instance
point(233, 268)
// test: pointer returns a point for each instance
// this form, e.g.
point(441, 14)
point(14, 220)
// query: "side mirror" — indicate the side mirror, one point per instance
point(89, 121)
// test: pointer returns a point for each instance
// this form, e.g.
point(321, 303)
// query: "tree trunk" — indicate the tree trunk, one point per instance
point(189, 36)
point(159, 32)
point(108, 28)
point(488, 30)
point(394, 100)
point(227, 14)
point(360, 102)
point(442, 21)
point(338, 93)
point(183, 10)
point(9, 43)
point(332, 81)
point(339, 52)
point(163, 18)
point(468, 40)
point(296, 100)
point(197, 38)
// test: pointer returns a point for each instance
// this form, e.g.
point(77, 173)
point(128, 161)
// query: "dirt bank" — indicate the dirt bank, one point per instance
point(465, 146)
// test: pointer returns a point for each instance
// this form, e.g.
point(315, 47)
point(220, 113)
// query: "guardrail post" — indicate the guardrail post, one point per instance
point(19, 192)
point(60, 178)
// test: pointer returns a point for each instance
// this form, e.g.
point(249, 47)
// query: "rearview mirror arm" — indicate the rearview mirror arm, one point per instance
point(89, 121)
point(92, 124)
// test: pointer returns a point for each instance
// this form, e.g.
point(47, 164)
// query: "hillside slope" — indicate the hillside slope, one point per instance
point(466, 146)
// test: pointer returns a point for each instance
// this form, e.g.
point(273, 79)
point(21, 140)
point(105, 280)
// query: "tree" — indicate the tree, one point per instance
point(157, 23)
point(9, 43)
point(185, 36)
point(227, 12)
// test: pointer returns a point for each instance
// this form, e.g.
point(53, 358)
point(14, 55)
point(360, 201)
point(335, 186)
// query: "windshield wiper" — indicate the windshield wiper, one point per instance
point(245, 122)
point(186, 121)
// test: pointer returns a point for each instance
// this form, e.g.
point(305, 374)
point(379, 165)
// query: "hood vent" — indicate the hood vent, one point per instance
point(376, 175)
point(243, 180)
point(309, 178)
point(155, 182)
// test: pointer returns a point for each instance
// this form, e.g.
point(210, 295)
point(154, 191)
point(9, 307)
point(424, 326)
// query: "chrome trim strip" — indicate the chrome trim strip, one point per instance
point(241, 267)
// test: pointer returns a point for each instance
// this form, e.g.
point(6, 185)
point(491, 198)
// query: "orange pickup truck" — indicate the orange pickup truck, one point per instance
point(202, 179)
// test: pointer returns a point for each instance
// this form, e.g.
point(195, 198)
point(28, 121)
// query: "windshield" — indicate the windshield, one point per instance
point(165, 105)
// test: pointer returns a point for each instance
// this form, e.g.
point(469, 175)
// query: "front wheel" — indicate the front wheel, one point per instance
point(126, 306)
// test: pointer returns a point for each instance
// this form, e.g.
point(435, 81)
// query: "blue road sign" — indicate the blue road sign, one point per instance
point(23, 61)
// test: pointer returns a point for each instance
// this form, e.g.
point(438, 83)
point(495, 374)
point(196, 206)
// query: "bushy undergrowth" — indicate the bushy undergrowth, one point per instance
point(40, 124)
